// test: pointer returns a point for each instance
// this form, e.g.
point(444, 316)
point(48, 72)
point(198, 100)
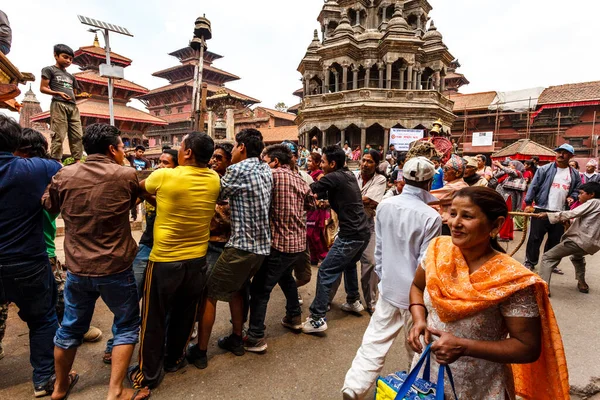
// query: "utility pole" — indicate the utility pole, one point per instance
point(202, 33)
point(107, 70)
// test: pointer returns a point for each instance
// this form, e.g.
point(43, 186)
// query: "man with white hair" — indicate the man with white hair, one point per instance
point(591, 174)
point(405, 224)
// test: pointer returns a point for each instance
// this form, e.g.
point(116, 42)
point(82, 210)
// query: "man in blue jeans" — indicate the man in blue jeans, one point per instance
point(26, 278)
point(341, 188)
point(168, 159)
point(94, 199)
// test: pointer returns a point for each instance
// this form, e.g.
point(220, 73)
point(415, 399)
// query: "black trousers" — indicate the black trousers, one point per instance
point(276, 269)
point(172, 293)
point(539, 228)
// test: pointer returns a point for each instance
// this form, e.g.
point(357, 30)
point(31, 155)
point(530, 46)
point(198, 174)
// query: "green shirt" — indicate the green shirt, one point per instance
point(50, 233)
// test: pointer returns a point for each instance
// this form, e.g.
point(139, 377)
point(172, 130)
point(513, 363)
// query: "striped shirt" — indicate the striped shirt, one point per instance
point(248, 186)
point(291, 197)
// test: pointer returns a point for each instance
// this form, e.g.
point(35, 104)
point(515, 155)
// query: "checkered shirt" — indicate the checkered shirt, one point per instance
point(291, 197)
point(248, 186)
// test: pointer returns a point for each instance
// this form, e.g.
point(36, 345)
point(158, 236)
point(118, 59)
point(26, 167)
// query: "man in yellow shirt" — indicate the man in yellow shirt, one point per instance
point(176, 275)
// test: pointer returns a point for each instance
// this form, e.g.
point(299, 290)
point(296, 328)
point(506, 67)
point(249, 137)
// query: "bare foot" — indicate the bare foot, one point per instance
point(59, 392)
point(130, 394)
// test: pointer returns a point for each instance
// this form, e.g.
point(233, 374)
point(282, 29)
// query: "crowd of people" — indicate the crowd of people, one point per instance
point(227, 222)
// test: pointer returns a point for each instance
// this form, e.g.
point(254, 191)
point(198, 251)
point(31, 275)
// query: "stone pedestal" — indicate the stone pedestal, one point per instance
point(230, 124)
point(211, 124)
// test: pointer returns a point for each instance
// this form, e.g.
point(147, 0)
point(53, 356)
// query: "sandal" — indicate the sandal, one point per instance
point(137, 391)
point(107, 357)
point(558, 271)
point(74, 378)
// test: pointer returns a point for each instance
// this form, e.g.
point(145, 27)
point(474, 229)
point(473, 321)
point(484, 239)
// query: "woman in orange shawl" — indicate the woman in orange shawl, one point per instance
point(492, 317)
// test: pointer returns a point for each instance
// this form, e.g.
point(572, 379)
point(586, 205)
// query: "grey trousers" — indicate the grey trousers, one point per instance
point(552, 258)
point(368, 278)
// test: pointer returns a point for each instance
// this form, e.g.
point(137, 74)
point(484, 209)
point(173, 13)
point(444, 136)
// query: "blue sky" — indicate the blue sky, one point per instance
point(502, 45)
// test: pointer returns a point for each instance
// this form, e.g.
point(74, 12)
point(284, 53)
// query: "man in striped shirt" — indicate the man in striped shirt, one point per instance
point(247, 184)
point(291, 197)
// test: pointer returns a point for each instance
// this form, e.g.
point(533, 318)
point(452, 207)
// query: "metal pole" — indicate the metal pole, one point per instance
point(527, 132)
point(593, 136)
point(198, 123)
point(110, 80)
point(194, 96)
point(558, 130)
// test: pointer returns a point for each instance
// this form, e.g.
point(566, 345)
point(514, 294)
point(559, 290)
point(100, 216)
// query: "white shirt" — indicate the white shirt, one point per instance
point(559, 191)
point(404, 226)
point(374, 189)
point(348, 152)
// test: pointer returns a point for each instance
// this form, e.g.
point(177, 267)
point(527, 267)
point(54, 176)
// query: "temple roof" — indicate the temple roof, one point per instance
point(190, 83)
point(475, 101)
point(30, 97)
point(278, 114)
point(94, 55)
point(524, 148)
point(94, 108)
point(571, 93)
point(93, 77)
point(188, 71)
point(187, 52)
point(279, 134)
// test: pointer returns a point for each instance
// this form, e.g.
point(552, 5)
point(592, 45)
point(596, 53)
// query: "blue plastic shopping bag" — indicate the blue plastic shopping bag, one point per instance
point(407, 386)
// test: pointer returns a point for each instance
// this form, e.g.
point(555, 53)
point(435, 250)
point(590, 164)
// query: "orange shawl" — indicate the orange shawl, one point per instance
point(456, 294)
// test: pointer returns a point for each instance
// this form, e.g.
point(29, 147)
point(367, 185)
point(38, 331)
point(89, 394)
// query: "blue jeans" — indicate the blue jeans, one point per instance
point(30, 285)
point(139, 267)
point(119, 293)
point(342, 257)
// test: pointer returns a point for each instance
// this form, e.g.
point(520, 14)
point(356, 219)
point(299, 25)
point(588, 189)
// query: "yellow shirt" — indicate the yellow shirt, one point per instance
point(185, 204)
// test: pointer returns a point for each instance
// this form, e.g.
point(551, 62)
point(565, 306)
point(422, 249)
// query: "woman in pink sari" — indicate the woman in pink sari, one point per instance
point(316, 219)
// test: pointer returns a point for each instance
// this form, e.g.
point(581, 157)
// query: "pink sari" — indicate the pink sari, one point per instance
point(315, 229)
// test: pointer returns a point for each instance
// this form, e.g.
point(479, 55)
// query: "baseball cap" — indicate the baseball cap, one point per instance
point(566, 147)
point(471, 162)
point(418, 169)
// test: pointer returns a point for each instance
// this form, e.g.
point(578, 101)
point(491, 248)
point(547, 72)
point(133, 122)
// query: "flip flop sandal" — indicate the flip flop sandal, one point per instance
point(74, 379)
point(558, 271)
point(107, 357)
point(136, 392)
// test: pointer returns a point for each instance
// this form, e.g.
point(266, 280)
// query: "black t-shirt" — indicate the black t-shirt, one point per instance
point(345, 198)
point(61, 81)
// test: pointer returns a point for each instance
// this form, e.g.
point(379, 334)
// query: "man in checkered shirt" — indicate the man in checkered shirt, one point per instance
point(247, 184)
point(291, 198)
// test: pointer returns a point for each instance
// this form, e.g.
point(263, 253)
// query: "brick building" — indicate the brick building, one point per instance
point(551, 116)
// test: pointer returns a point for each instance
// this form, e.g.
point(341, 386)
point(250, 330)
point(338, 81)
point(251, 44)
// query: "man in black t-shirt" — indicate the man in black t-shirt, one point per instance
point(64, 115)
point(341, 188)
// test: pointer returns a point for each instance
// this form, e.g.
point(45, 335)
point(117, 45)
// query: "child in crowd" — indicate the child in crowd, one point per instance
point(64, 115)
point(581, 239)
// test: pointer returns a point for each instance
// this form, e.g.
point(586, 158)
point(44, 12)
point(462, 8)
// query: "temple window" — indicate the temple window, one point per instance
point(157, 113)
point(180, 110)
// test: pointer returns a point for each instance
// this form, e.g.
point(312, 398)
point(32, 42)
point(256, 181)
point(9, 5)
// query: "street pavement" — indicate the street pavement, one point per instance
point(298, 366)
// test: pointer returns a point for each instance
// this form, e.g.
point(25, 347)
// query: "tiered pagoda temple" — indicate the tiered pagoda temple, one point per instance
point(173, 102)
point(378, 64)
point(132, 122)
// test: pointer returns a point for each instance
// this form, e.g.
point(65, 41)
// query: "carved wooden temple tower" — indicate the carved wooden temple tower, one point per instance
point(132, 122)
point(375, 67)
point(173, 102)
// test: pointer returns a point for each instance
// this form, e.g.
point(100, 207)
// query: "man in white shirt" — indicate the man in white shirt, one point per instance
point(347, 151)
point(405, 225)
